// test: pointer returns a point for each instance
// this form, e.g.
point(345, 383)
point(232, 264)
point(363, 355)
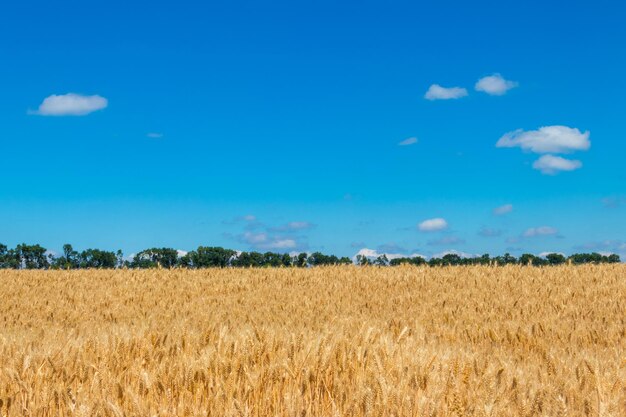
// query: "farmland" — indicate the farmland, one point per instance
point(326, 341)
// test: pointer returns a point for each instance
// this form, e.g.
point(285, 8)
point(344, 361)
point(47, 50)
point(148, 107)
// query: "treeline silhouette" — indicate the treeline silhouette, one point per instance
point(37, 257)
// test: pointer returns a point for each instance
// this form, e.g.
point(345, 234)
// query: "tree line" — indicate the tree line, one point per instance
point(25, 256)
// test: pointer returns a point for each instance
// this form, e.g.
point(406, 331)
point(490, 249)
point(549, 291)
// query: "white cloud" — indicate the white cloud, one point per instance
point(264, 241)
point(155, 135)
point(540, 231)
point(408, 141)
point(437, 92)
point(556, 139)
point(181, 252)
point(70, 105)
point(552, 165)
point(249, 218)
point(494, 85)
point(432, 225)
point(499, 211)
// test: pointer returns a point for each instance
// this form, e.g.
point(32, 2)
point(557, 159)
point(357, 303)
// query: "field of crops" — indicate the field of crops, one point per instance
point(336, 341)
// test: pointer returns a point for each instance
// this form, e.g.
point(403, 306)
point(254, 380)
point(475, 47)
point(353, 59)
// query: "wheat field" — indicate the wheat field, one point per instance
point(332, 341)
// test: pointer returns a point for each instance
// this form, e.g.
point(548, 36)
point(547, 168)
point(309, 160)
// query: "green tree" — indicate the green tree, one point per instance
point(96, 258)
point(31, 257)
point(209, 256)
point(555, 259)
point(151, 258)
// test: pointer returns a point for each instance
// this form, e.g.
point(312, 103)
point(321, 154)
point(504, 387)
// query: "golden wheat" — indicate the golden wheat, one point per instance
point(335, 341)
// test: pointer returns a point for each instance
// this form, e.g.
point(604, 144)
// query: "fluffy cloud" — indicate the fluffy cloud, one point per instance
point(494, 85)
point(433, 225)
point(408, 141)
point(264, 241)
point(552, 165)
point(540, 231)
point(555, 139)
point(499, 211)
point(437, 92)
point(70, 105)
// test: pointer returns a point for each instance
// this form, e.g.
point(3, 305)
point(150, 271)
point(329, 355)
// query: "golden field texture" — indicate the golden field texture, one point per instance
point(333, 341)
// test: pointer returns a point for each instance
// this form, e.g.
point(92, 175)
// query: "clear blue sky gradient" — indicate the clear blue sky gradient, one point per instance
point(292, 112)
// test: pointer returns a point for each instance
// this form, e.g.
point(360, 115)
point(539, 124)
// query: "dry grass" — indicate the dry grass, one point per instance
point(348, 341)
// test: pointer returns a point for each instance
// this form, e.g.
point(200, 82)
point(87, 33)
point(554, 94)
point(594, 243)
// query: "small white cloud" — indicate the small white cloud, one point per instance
point(540, 231)
point(499, 211)
point(437, 92)
point(552, 165)
point(555, 139)
point(70, 105)
point(181, 252)
point(249, 218)
point(154, 135)
point(408, 141)
point(494, 85)
point(433, 225)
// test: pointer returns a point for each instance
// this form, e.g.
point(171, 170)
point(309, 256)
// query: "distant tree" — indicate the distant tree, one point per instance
point(271, 259)
point(69, 259)
point(506, 259)
point(613, 258)
point(344, 260)
point(286, 260)
point(452, 259)
point(362, 260)
point(318, 258)
point(205, 257)
point(4, 256)
point(120, 259)
point(555, 259)
point(416, 260)
point(30, 257)
point(151, 258)
point(96, 258)
point(301, 261)
point(250, 259)
point(381, 260)
point(484, 259)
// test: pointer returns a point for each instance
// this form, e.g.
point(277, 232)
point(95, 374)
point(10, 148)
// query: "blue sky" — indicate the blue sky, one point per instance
point(277, 125)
